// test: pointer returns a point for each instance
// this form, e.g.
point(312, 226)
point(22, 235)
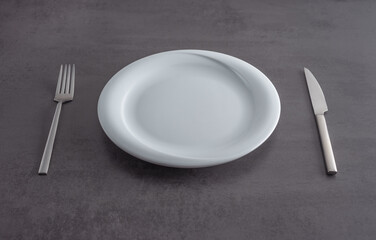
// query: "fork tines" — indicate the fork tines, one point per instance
point(65, 84)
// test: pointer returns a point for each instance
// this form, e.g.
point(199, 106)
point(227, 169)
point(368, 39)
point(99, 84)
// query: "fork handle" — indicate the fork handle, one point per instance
point(45, 163)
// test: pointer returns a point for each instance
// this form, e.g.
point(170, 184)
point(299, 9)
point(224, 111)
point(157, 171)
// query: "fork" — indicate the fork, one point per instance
point(64, 93)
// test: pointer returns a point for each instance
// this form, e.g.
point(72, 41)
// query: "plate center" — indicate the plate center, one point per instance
point(204, 106)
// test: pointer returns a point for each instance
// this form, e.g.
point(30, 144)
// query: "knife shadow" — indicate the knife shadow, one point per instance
point(149, 171)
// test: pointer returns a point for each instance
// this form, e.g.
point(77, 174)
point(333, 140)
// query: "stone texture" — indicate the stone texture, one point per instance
point(96, 191)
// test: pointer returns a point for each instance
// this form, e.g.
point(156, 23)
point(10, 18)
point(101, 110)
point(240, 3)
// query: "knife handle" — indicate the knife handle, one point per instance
point(330, 162)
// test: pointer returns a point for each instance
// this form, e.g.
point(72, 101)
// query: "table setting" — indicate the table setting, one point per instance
point(189, 120)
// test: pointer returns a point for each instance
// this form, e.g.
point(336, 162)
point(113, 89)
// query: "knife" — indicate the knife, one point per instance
point(319, 108)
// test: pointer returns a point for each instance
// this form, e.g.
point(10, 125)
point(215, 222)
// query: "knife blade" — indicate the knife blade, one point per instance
point(319, 108)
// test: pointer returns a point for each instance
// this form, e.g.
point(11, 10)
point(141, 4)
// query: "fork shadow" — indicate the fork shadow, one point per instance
point(145, 170)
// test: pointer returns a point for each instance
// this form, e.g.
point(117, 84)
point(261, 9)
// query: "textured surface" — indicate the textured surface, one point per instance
point(96, 191)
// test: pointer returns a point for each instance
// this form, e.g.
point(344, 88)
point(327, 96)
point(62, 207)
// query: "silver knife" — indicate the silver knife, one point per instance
point(319, 108)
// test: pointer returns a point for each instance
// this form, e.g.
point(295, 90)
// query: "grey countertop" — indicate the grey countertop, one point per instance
point(94, 190)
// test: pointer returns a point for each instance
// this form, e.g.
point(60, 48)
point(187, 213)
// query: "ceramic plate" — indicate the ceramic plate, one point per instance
point(189, 108)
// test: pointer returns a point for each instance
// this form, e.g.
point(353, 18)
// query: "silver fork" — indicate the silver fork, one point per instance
point(64, 93)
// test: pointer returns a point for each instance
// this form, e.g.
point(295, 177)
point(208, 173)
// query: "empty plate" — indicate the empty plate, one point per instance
point(189, 108)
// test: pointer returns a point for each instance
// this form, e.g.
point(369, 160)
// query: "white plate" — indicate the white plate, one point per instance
point(189, 108)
